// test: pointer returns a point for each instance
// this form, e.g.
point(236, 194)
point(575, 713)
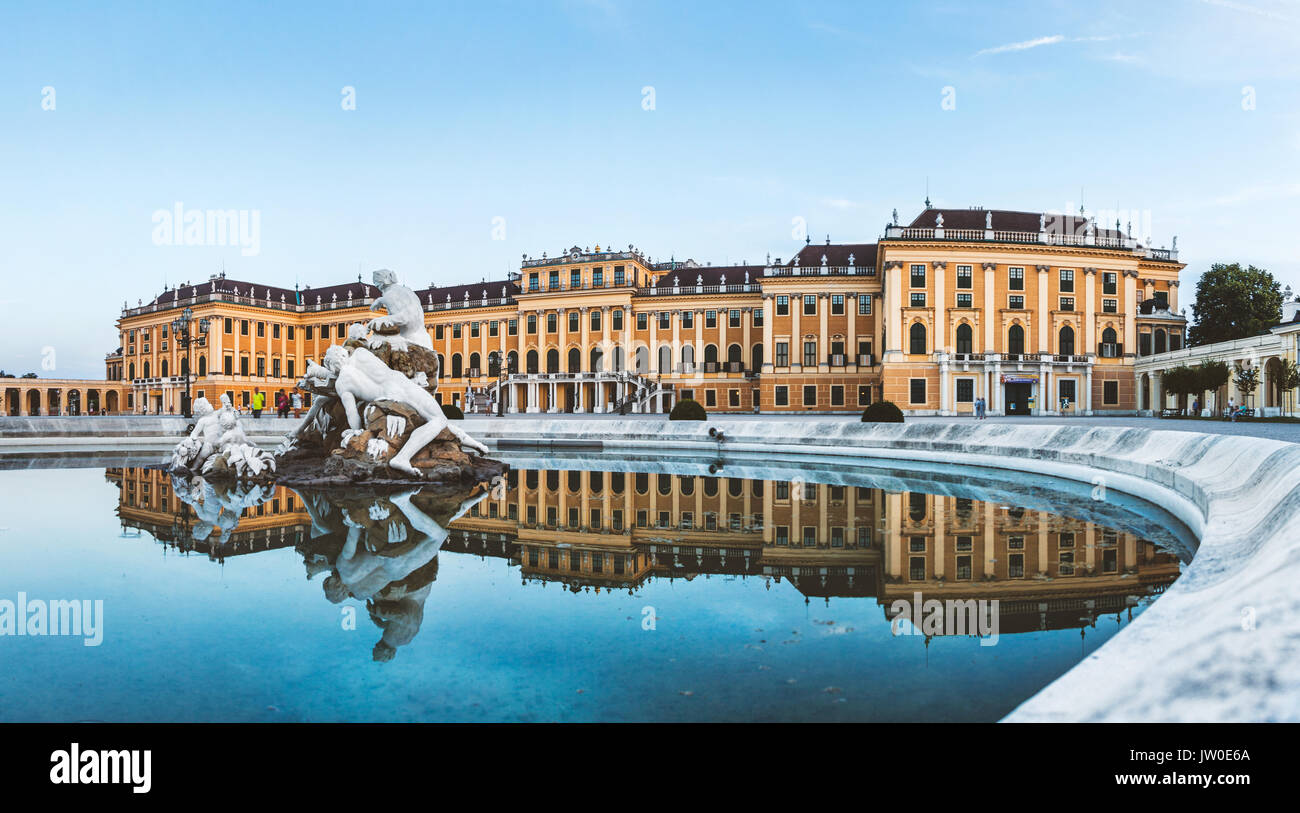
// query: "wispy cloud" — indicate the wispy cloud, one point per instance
point(1022, 46)
point(1054, 39)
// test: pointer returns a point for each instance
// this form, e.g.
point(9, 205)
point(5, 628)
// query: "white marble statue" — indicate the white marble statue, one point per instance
point(204, 439)
point(404, 313)
point(361, 378)
point(218, 442)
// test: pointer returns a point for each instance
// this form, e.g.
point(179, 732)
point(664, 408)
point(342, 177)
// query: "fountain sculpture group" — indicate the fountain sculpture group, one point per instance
point(374, 418)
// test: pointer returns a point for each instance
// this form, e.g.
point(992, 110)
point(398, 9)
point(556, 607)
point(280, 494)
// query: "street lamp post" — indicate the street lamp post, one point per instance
point(504, 371)
point(181, 335)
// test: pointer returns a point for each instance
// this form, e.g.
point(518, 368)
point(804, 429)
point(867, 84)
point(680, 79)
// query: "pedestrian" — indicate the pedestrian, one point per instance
point(1196, 407)
point(259, 402)
point(296, 402)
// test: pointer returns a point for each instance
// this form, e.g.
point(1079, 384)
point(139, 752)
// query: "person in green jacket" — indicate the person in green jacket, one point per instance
point(259, 401)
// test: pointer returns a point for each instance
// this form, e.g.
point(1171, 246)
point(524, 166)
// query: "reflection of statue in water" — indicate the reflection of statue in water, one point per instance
point(387, 557)
point(218, 506)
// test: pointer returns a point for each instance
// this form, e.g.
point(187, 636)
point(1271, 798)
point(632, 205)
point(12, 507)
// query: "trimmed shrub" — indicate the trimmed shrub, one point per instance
point(688, 410)
point(452, 412)
point(882, 412)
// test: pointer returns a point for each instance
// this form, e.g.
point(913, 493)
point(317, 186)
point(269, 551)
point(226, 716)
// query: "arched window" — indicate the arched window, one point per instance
point(1161, 341)
point(618, 359)
point(1016, 340)
point(474, 363)
point(531, 358)
point(710, 354)
point(185, 366)
point(512, 361)
point(688, 356)
point(494, 364)
point(665, 359)
point(552, 360)
point(146, 369)
point(597, 360)
point(916, 335)
point(756, 357)
point(455, 365)
point(735, 355)
point(203, 366)
point(1065, 341)
point(162, 368)
point(131, 371)
point(642, 360)
point(575, 360)
point(965, 339)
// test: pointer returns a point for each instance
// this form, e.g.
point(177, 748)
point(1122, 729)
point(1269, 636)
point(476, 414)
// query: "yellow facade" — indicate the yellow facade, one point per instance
point(1026, 319)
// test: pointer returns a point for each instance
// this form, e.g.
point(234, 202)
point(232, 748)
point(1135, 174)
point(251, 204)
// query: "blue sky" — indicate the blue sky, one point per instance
point(533, 112)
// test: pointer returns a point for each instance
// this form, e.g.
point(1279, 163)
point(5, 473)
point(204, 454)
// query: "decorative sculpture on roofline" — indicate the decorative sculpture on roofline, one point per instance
point(374, 418)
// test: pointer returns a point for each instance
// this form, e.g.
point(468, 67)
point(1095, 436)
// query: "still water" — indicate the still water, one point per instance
point(574, 590)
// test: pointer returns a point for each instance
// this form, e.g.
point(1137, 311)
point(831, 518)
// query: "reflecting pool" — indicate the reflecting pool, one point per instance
point(575, 589)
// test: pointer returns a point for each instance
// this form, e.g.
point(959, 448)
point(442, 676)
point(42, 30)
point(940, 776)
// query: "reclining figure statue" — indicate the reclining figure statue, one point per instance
point(362, 378)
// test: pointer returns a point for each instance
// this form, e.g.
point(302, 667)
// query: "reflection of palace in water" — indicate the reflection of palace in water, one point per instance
point(592, 530)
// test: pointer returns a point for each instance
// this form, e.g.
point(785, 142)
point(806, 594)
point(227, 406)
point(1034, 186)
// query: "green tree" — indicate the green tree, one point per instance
point(1180, 382)
point(1210, 375)
point(1288, 378)
point(1247, 380)
point(1233, 303)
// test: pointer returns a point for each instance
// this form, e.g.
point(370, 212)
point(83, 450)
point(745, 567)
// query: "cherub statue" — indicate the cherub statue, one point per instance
point(405, 320)
point(204, 439)
point(363, 378)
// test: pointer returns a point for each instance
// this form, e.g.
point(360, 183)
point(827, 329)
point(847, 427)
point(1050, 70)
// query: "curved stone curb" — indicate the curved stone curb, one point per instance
point(1221, 644)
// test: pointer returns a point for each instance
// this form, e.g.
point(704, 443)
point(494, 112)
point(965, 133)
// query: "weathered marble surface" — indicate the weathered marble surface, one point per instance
point(1222, 644)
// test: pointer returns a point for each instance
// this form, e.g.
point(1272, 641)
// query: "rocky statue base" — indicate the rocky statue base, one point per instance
point(363, 457)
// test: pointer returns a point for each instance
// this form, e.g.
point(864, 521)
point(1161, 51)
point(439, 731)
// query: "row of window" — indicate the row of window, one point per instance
point(918, 340)
point(916, 567)
point(965, 391)
point(917, 299)
point(810, 394)
point(919, 277)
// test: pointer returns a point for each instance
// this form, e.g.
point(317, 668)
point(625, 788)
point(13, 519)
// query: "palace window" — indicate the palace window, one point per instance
point(553, 281)
point(552, 323)
point(965, 390)
point(575, 278)
point(688, 320)
point(733, 317)
point(1109, 282)
point(455, 331)
point(618, 275)
point(1067, 280)
point(758, 317)
point(665, 320)
point(473, 330)
point(243, 327)
point(597, 278)
point(864, 304)
point(918, 276)
point(494, 328)
point(837, 304)
point(1016, 278)
point(642, 321)
point(616, 319)
point(781, 396)
point(1016, 566)
point(810, 395)
point(710, 319)
point(1016, 302)
point(595, 320)
point(964, 301)
point(916, 339)
point(864, 395)
point(512, 327)
point(783, 306)
point(810, 305)
point(810, 354)
point(533, 284)
point(1067, 303)
point(837, 395)
point(1110, 306)
point(1110, 392)
point(261, 330)
point(918, 299)
point(574, 324)
point(916, 390)
point(532, 323)
point(710, 398)
point(964, 276)
point(782, 354)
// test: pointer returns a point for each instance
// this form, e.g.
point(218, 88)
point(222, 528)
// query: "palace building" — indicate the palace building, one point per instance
point(1035, 313)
